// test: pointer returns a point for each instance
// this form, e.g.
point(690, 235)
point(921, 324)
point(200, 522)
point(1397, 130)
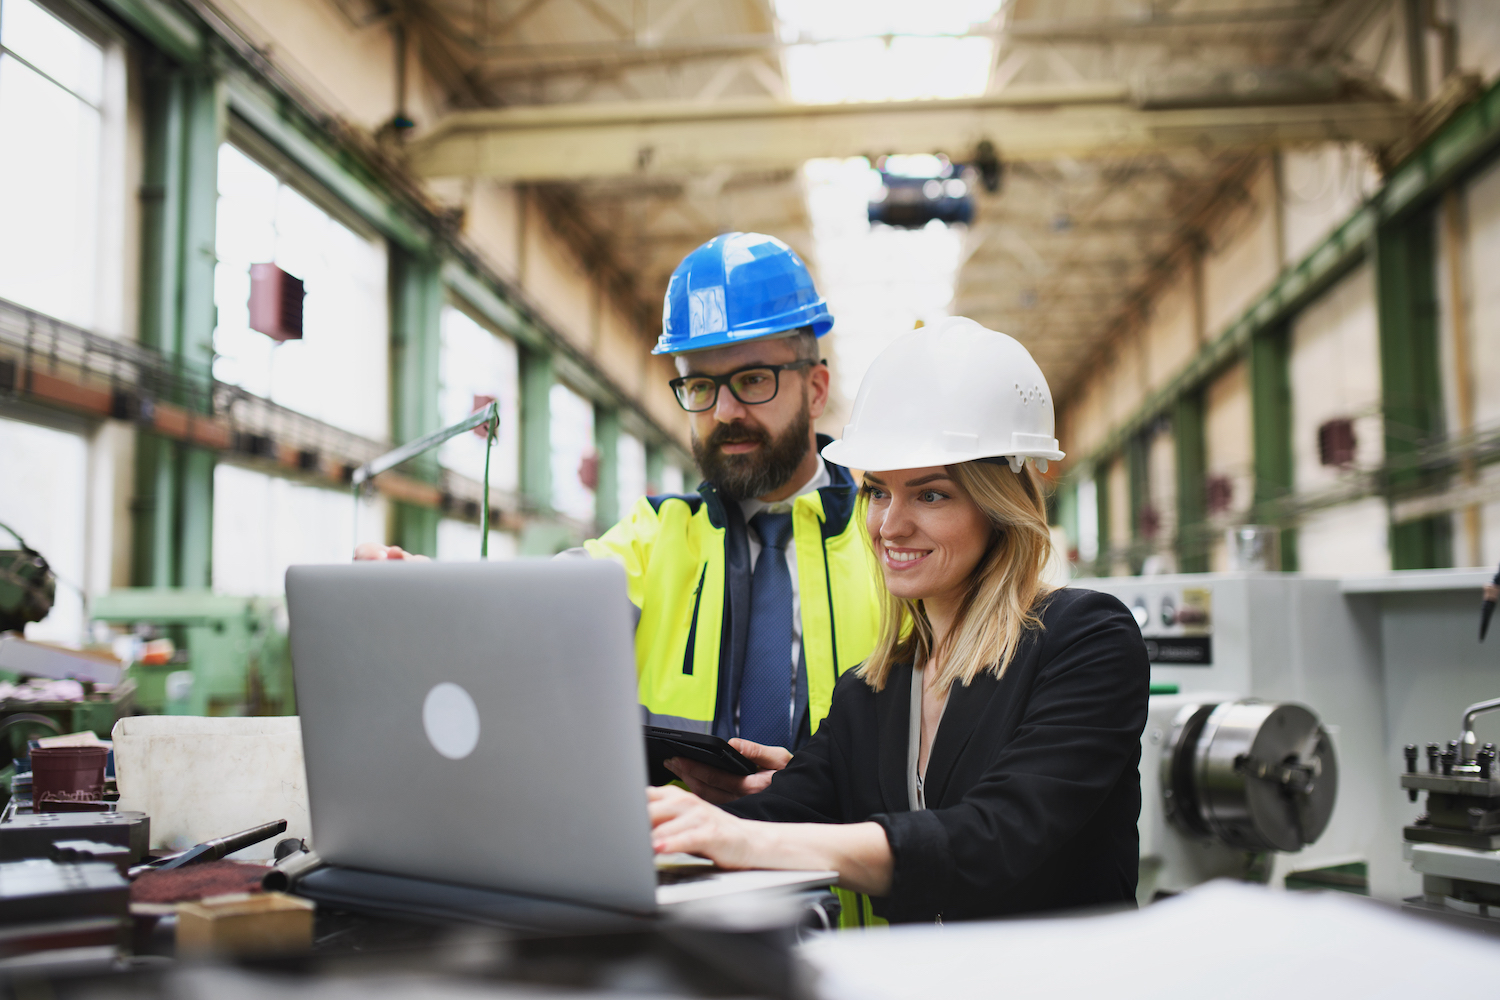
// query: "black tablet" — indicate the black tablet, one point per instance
point(663, 743)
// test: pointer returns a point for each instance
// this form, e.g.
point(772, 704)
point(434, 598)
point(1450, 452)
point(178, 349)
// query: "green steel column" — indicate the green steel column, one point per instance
point(1066, 506)
point(1104, 564)
point(206, 121)
point(536, 429)
point(1271, 430)
point(172, 511)
point(161, 209)
point(153, 508)
point(656, 467)
point(416, 346)
point(1137, 451)
point(607, 442)
point(1192, 497)
point(1410, 379)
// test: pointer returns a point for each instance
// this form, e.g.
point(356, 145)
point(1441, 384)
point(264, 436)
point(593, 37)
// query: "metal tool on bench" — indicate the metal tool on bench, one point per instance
point(213, 850)
point(1455, 844)
point(33, 835)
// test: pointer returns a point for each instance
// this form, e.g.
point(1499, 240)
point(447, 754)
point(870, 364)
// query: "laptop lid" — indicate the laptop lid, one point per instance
point(475, 723)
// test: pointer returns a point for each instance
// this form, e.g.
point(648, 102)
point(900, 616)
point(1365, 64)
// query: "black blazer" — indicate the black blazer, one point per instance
point(1033, 785)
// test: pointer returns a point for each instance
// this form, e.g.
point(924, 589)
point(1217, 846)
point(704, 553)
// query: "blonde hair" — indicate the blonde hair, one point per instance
point(1004, 592)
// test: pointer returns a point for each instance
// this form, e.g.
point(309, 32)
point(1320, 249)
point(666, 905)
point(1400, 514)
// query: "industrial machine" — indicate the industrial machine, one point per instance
point(1455, 844)
point(1264, 715)
point(222, 655)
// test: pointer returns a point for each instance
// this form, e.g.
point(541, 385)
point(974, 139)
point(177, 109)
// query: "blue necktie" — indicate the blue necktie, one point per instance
point(767, 684)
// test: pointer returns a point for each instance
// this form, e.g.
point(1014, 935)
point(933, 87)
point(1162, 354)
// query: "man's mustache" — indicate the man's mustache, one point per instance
point(737, 434)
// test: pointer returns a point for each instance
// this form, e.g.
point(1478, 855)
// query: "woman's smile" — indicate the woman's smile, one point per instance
point(903, 559)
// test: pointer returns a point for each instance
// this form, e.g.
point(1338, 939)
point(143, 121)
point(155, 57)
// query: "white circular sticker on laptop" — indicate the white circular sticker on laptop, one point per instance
point(451, 720)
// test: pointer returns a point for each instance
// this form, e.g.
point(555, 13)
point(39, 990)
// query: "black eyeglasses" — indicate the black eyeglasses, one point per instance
point(751, 386)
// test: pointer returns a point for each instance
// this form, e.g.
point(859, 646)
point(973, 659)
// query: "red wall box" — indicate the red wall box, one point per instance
point(275, 302)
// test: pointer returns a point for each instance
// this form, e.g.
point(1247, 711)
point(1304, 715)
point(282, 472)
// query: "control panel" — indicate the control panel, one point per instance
point(1176, 622)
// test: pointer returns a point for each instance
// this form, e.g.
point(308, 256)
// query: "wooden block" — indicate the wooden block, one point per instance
point(245, 924)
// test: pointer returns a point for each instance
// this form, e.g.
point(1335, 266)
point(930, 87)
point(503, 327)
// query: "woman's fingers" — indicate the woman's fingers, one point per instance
point(370, 551)
point(709, 782)
point(768, 758)
point(680, 829)
point(681, 821)
point(696, 832)
point(667, 801)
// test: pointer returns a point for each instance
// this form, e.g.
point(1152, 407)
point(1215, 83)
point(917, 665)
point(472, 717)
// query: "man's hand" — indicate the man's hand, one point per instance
point(682, 822)
point(370, 552)
point(1491, 592)
point(718, 786)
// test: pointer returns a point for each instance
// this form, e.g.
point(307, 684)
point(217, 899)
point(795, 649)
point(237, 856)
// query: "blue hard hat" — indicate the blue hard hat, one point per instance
point(736, 287)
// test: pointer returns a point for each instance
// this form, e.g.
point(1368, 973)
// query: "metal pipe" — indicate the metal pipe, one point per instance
point(412, 449)
point(1466, 739)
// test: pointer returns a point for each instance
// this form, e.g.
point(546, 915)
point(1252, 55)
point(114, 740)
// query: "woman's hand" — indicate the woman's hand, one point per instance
point(370, 552)
point(681, 821)
point(859, 852)
point(719, 787)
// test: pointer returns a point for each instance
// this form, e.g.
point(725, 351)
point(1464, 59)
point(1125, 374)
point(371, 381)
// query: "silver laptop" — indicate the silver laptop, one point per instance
point(476, 723)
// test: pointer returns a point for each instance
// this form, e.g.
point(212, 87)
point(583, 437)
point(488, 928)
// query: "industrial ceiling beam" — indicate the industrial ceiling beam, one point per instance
point(500, 62)
point(1255, 23)
point(573, 142)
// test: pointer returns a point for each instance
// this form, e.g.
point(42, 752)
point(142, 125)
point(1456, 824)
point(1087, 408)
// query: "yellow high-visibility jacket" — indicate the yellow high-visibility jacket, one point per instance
point(687, 561)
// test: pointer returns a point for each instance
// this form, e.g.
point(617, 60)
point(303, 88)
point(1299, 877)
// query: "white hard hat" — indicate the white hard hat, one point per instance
point(949, 393)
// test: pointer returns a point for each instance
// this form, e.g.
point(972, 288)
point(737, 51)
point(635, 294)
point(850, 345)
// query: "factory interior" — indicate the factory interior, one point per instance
point(334, 332)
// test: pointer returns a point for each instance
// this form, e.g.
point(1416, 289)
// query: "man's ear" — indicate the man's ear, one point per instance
point(819, 379)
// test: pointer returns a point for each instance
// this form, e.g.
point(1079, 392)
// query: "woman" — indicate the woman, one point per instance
point(983, 760)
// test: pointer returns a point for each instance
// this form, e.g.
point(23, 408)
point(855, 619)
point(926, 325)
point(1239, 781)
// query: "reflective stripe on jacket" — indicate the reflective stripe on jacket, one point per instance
point(687, 560)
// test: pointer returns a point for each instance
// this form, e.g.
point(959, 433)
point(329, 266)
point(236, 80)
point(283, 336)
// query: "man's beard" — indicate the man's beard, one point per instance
point(755, 473)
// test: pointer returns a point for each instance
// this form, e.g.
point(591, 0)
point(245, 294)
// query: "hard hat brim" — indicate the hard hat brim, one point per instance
point(744, 338)
point(885, 460)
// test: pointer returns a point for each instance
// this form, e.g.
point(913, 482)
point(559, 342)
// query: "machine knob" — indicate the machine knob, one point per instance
point(1410, 751)
point(1432, 758)
point(1486, 761)
point(1449, 756)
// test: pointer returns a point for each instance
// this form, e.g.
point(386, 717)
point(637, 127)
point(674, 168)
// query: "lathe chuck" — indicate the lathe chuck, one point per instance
point(1259, 776)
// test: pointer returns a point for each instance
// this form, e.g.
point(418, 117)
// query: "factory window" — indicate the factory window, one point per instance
point(52, 81)
point(43, 500)
point(572, 442)
point(338, 371)
point(478, 365)
point(631, 455)
point(263, 524)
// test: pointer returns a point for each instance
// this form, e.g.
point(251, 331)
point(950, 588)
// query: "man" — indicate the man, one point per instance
point(731, 642)
point(728, 641)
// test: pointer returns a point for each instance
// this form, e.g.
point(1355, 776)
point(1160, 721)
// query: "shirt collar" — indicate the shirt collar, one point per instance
point(751, 506)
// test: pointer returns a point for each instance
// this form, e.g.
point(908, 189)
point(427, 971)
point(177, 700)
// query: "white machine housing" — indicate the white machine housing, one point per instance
point(1273, 637)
